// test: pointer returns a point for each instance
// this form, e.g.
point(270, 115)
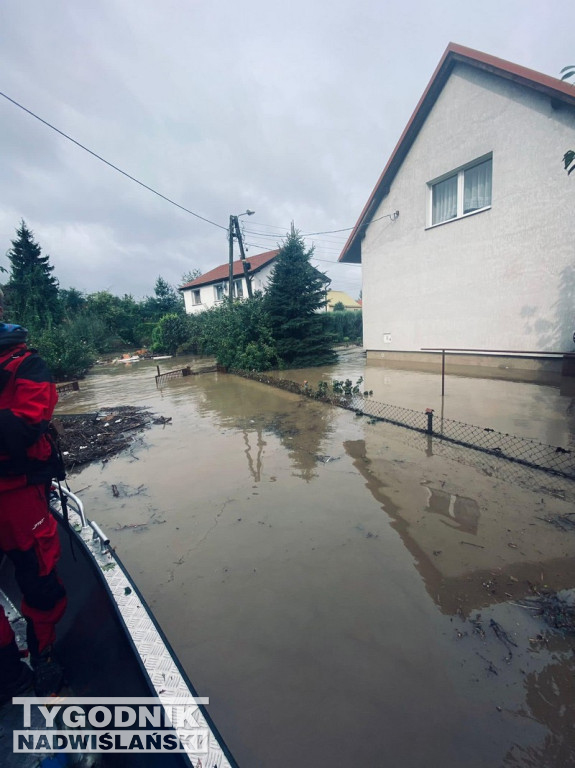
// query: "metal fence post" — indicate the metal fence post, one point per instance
point(429, 412)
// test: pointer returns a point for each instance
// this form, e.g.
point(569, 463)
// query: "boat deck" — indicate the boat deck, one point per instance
point(111, 647)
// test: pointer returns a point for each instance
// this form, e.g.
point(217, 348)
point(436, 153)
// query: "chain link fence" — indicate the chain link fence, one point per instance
point(522, 450)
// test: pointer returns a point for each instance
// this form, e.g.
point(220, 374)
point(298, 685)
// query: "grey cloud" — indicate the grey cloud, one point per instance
point(290, 111)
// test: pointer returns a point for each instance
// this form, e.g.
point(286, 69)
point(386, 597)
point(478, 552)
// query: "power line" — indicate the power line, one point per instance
point(314, 258)
point(274, 226)
point(339, 263)
point(270, 235)
point(258, 245)
point(391, 216)
point(115, 167)
point(320, 245)
point(331, 241)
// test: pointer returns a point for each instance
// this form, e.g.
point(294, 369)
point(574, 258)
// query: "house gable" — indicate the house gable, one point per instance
point(558, 93)
point(211, 289)
point(499, 277)
point(335, 297)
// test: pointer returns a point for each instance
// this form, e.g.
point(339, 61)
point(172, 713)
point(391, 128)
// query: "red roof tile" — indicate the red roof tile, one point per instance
point(553, 87)
point(223, 271)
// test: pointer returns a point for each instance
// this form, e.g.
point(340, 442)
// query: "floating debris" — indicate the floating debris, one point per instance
point(556, 612)
point(326, 459)
point(87, 437)
point(477, 626)
point(502, 635)
point(490, 665)
point(564, 522)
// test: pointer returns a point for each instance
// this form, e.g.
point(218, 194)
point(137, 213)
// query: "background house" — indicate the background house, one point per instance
point(335, 297)
point(211, 289)
point(466, 240)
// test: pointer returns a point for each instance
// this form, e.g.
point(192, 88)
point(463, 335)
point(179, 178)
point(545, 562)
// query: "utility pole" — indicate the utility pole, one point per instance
point(245, 263)
point(231, 258)
point(234, 231)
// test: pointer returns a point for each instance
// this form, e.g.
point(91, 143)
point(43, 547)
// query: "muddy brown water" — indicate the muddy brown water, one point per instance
point(331, 584)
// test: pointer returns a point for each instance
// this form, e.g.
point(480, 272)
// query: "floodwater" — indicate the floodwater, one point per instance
point(345, 594)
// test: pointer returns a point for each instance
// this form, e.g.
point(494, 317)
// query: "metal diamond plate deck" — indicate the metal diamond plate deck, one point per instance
point(155, 655)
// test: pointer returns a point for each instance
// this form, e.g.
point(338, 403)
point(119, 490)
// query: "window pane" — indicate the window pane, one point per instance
point(444, 202)
point(477, 187)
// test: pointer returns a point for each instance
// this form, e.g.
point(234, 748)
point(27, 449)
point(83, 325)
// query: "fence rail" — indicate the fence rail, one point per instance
point(67, 386)
point(522, 450)
point(162, 378)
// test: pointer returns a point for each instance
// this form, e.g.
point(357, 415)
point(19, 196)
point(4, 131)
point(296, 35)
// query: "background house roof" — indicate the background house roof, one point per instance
point(222, 272)
point(334, 296)
point(559, 91)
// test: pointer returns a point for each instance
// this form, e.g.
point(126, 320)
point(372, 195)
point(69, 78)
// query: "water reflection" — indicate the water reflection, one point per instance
point(276, 600)
point(541, 412)
point(255, 467)
point(550, 700)
point(464, 567)
point(461, 513)
point(301, 426)
point(537, 480)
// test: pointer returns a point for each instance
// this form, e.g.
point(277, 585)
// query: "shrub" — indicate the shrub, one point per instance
point(238, 335)
point(343, 326)
point(67, 355)
point(170, 333)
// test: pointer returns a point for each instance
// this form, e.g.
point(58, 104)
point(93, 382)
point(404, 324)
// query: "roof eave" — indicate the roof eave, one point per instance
point(199, 283)
point(558, 91)
point(352, 249)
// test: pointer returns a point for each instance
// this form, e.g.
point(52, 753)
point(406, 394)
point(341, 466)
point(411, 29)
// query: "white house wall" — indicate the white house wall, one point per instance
point(261, 278)
point(208, 296)
point(503, 278)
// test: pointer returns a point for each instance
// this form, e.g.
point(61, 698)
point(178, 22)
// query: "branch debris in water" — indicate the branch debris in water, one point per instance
point(87, 437)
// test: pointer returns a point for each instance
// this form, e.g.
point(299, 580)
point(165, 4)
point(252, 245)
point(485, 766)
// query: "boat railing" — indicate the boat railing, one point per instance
point(76, 502)
point(97, 533)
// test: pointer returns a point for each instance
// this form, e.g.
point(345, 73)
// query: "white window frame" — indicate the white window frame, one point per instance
point(219, 292)
point(460, 174)
point(238, 289)
point(196, 297)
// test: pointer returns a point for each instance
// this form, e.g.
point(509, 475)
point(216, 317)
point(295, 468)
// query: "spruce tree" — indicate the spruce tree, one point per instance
point(167, 300)
point(32, 291)
point(296, 292)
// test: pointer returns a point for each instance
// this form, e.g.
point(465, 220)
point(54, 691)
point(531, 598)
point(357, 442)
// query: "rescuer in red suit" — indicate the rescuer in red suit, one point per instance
point(28, 534)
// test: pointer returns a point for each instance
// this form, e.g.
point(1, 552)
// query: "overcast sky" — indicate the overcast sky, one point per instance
point(289, 109)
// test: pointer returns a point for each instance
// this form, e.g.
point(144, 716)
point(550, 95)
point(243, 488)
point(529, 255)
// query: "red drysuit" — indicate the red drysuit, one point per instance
point(28, 532)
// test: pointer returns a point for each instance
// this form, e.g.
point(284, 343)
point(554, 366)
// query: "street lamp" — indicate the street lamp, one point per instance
point(235, 226)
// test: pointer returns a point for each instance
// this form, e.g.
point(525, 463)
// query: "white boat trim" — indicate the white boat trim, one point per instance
point(156, 658)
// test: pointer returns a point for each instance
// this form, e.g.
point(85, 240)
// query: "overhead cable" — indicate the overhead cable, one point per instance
point(391, 216)
point(315, 258)
point(115, 167)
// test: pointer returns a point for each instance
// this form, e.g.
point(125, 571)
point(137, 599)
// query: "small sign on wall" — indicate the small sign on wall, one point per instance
point(387, 338)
